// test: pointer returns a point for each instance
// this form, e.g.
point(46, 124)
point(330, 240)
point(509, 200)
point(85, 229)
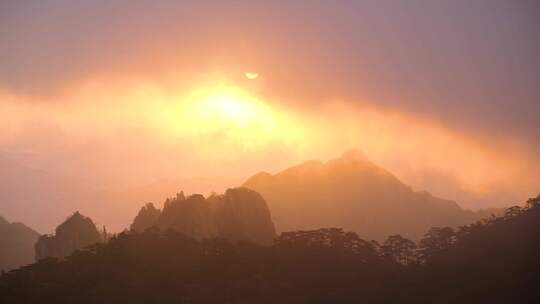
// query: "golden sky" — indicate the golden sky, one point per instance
point(120, 94)
point(128, 132)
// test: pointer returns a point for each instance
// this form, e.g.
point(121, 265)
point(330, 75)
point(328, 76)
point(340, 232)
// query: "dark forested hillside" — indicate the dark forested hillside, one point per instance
point(490, 261)
point(16, 244)
point(353, 193)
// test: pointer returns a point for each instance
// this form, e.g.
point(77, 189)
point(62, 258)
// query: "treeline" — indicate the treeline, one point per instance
point(491, 261)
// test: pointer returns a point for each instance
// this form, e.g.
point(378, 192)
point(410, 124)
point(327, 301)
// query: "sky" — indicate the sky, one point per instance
point(444, 94)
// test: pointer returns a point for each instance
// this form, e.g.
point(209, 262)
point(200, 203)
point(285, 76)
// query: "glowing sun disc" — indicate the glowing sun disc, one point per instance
point(251, 75)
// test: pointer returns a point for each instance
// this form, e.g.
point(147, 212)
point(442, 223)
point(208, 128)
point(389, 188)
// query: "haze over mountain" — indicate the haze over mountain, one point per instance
point(355, 194)
point(238, 215)
point(76, 232)
point(443, 95)
point(110, 106)
point(16, 244)
point(26, 194)
point(491, 261)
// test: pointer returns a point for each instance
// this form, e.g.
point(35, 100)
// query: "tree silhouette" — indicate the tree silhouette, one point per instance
point(512, 211)
point(533, 202)
point(436, 240)
point(493, 261)
point(399, 249)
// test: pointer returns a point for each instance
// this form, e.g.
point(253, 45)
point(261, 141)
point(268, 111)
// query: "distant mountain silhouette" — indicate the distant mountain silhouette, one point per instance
point(147, 217)
point(239, 214)
point(74, 233)
point(16, 244)
point(353, 193)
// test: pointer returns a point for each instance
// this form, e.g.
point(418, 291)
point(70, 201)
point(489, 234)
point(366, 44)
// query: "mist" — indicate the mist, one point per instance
point(118, 133)
point(443, 96)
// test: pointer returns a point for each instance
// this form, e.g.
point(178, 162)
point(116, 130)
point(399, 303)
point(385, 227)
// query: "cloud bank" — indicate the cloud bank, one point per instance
point(445, 96)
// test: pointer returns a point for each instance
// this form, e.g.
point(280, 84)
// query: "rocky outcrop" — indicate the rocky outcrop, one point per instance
point(238, 215)
point(242, 214)
point(352, 193)
point(193, 216)
point(16, 244)
point(74, 233)
point(146, 218)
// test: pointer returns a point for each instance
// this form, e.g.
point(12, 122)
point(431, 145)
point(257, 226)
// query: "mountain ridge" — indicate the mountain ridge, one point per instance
point(353, 193)
point(240, 214)
point(76, 232)
point(16, 243)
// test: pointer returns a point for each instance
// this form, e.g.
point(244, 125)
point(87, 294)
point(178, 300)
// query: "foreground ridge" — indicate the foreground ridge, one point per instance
point(324, 265)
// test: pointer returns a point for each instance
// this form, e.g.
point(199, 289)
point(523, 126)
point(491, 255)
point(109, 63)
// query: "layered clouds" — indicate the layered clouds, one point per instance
point(445, 96)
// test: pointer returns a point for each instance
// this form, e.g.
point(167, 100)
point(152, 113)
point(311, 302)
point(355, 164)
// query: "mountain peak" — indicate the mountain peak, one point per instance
point(16, 243)
point(239, 214)
point(76, 232)
point(353, 193)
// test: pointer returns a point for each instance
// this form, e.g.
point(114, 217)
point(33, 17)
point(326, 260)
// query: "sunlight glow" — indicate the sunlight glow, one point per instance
point(222, 122)
point(251, 75)
point(232, 115)
point(228, 105)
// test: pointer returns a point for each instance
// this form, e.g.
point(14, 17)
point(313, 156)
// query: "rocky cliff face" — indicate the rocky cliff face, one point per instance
point(74, 233)
point(16, 244)
point(240, 214)
point(352, 193)
point(146, 218)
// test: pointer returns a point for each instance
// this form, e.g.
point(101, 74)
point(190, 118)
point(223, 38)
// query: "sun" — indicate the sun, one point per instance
point(233, 115)
point(251, 75)
point(230, 106)
point(224, 118)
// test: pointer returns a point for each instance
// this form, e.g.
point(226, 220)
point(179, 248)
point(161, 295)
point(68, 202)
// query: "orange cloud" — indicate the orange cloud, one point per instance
point(221, 127)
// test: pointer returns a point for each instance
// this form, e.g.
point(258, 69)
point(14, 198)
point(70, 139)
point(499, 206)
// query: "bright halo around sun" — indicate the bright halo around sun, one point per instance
point(229, 114)
point(251, 75)
point(230, 106)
